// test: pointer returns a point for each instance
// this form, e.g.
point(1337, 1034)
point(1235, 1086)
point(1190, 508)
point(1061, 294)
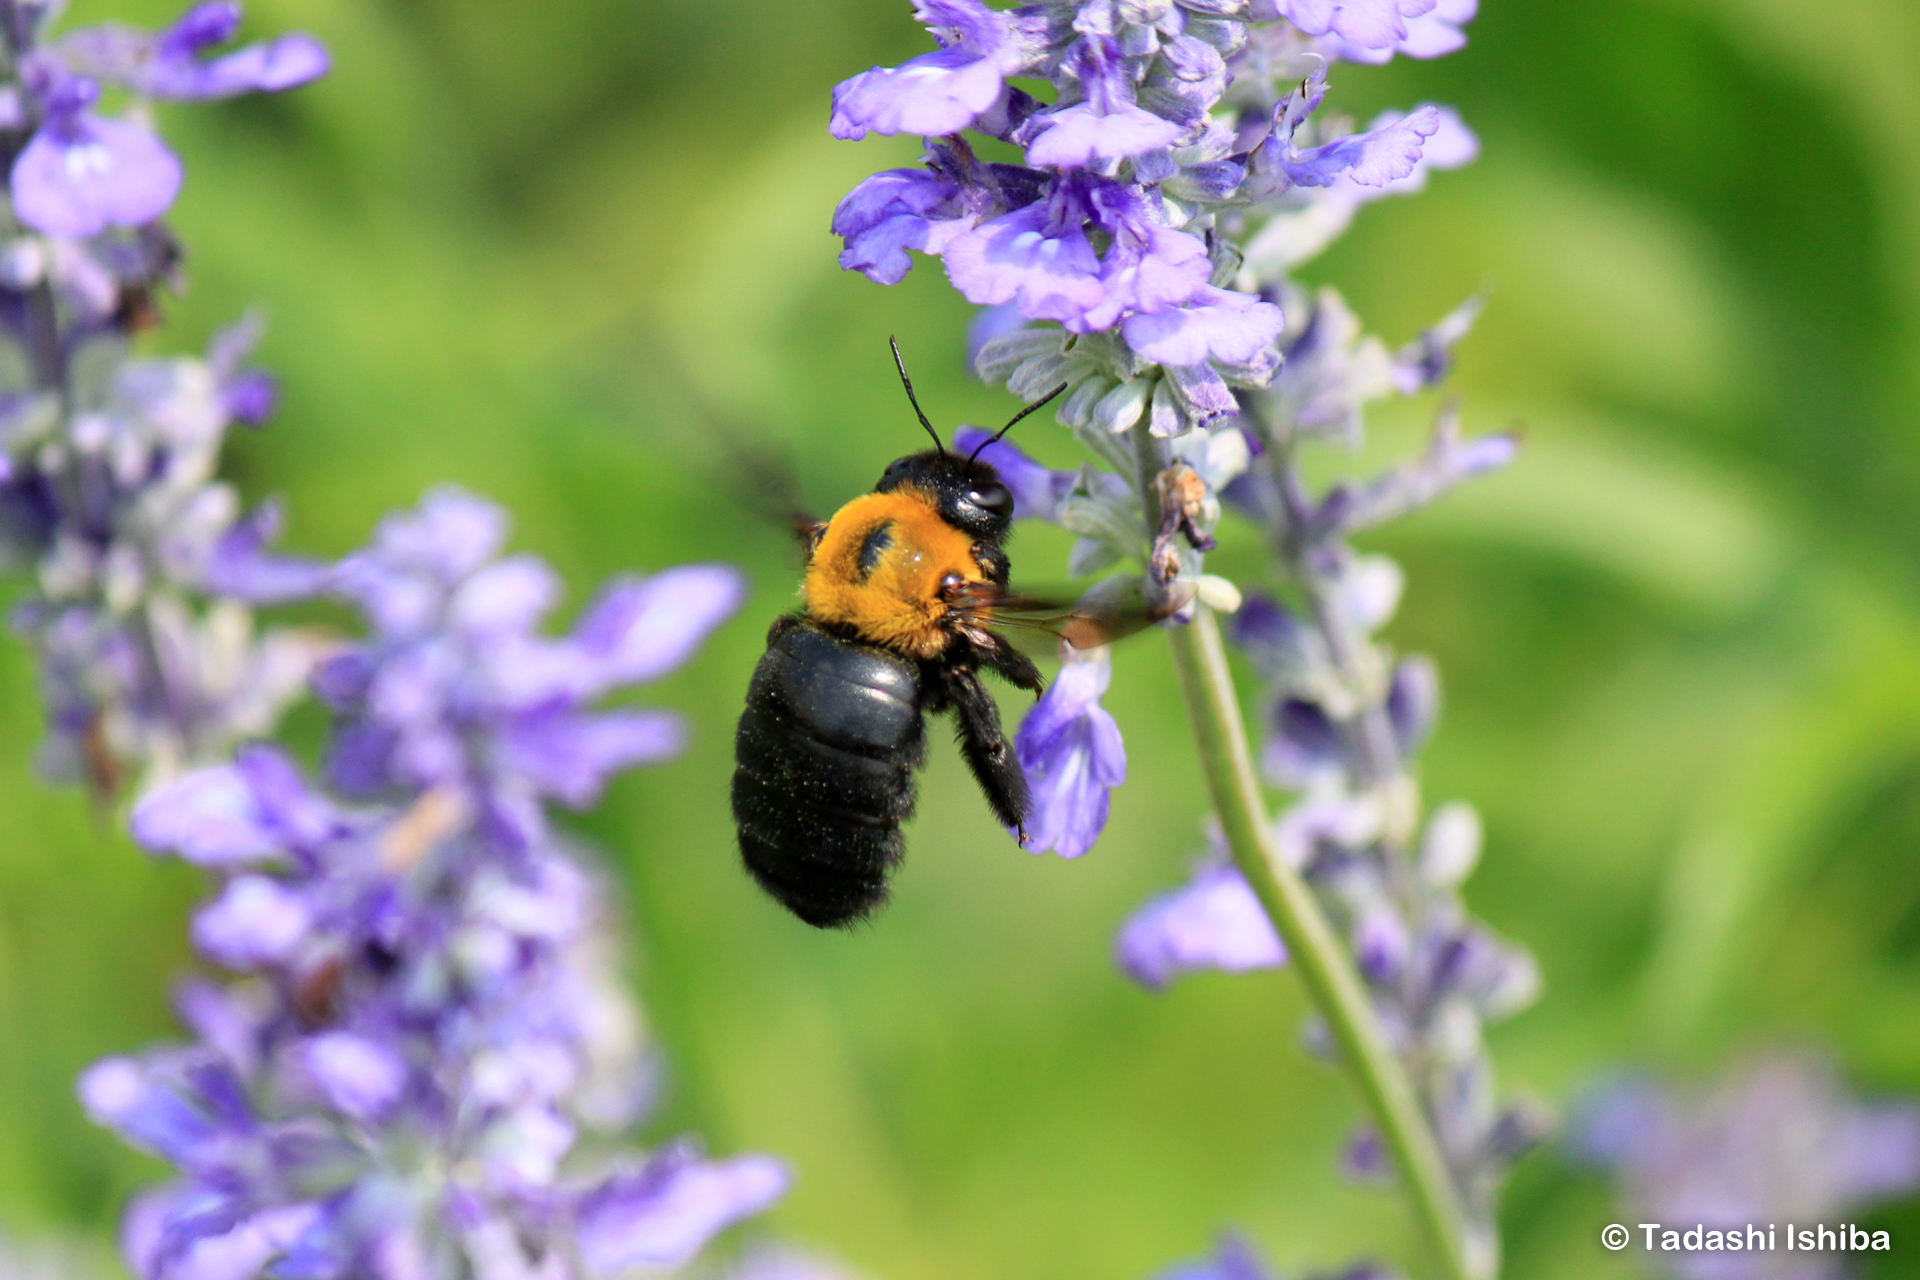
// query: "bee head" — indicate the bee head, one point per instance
point(967, 494)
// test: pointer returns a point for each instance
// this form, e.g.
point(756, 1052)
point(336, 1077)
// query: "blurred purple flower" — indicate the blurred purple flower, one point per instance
point(1234, 1258)
point(660, 1215)
point(1779, 1139)
point(1213, 922)
point(1071, 751)
point(432, 1015)
point(80, 173)
point(167, 64)
point(455, 689)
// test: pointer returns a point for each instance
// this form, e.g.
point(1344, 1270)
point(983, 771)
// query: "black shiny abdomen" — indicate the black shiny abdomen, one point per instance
point(825, 756)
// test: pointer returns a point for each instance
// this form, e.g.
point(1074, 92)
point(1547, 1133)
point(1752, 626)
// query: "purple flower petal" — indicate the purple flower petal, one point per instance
point(155, 1247)
point(936, 93)
point(1219, 324)
point(1071, 751)
point(255, 922)
point(1149, 269)
point(80, 175)
point(1234, 1259)
point(891, 212)
point(118, 1093)
point(1371, 159)
point(1413, 702)
point(507, 596)
point(1371, 24)
point(664, 1213)
point(1051, 272)
point(282, 795)
point(251, 397)
point(242, 567)
point(570, 756)
point(269, 67)
point(1381, 946)
point(639, 631)
point(397, 581)
point(360, 1077)
point(208, 818)
point(1215, 922)
point(1302, 744)
point(1083, 137)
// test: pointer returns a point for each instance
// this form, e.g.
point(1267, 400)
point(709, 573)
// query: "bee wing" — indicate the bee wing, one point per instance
point(763, 482)
point(1083, 621)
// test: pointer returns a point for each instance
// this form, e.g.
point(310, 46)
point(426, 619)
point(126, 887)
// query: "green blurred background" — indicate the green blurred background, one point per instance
point(509, 244)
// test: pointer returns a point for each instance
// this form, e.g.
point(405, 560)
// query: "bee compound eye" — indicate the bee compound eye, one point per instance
point(994, 499)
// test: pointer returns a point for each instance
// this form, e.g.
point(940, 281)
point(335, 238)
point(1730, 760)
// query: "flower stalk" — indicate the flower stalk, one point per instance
point(1331, 981)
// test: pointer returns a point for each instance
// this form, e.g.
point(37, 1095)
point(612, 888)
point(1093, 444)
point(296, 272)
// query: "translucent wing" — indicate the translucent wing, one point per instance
point(1082, 620)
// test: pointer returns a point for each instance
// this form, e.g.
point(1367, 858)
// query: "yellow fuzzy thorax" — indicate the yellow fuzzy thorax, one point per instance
point(894, 599)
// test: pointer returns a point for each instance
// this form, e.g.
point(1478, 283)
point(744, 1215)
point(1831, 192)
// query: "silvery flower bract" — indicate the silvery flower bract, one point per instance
point(425, 1019)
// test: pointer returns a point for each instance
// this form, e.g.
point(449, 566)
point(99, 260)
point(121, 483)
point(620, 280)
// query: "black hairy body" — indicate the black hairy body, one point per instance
point(834, 726)
point(833, 733)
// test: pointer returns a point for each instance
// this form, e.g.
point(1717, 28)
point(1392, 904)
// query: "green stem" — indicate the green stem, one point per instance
point(1317, 953)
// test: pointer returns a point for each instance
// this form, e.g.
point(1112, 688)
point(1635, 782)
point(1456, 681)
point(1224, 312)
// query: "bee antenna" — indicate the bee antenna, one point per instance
point(995, 437)
point(912, 399)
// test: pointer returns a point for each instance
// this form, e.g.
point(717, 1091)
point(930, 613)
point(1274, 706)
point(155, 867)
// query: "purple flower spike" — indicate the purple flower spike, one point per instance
point(1779, 1137)
point(662, 1214)
point(936, 93)
point(81, 174)
point(1215, 922)
point(1071, 751)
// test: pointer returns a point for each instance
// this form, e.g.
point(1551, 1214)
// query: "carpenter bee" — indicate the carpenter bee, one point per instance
point(898, 620)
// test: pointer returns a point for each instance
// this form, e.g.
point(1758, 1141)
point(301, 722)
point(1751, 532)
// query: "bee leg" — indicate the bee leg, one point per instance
point(993, 563)
point(1011, 665)
point(985, 747)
